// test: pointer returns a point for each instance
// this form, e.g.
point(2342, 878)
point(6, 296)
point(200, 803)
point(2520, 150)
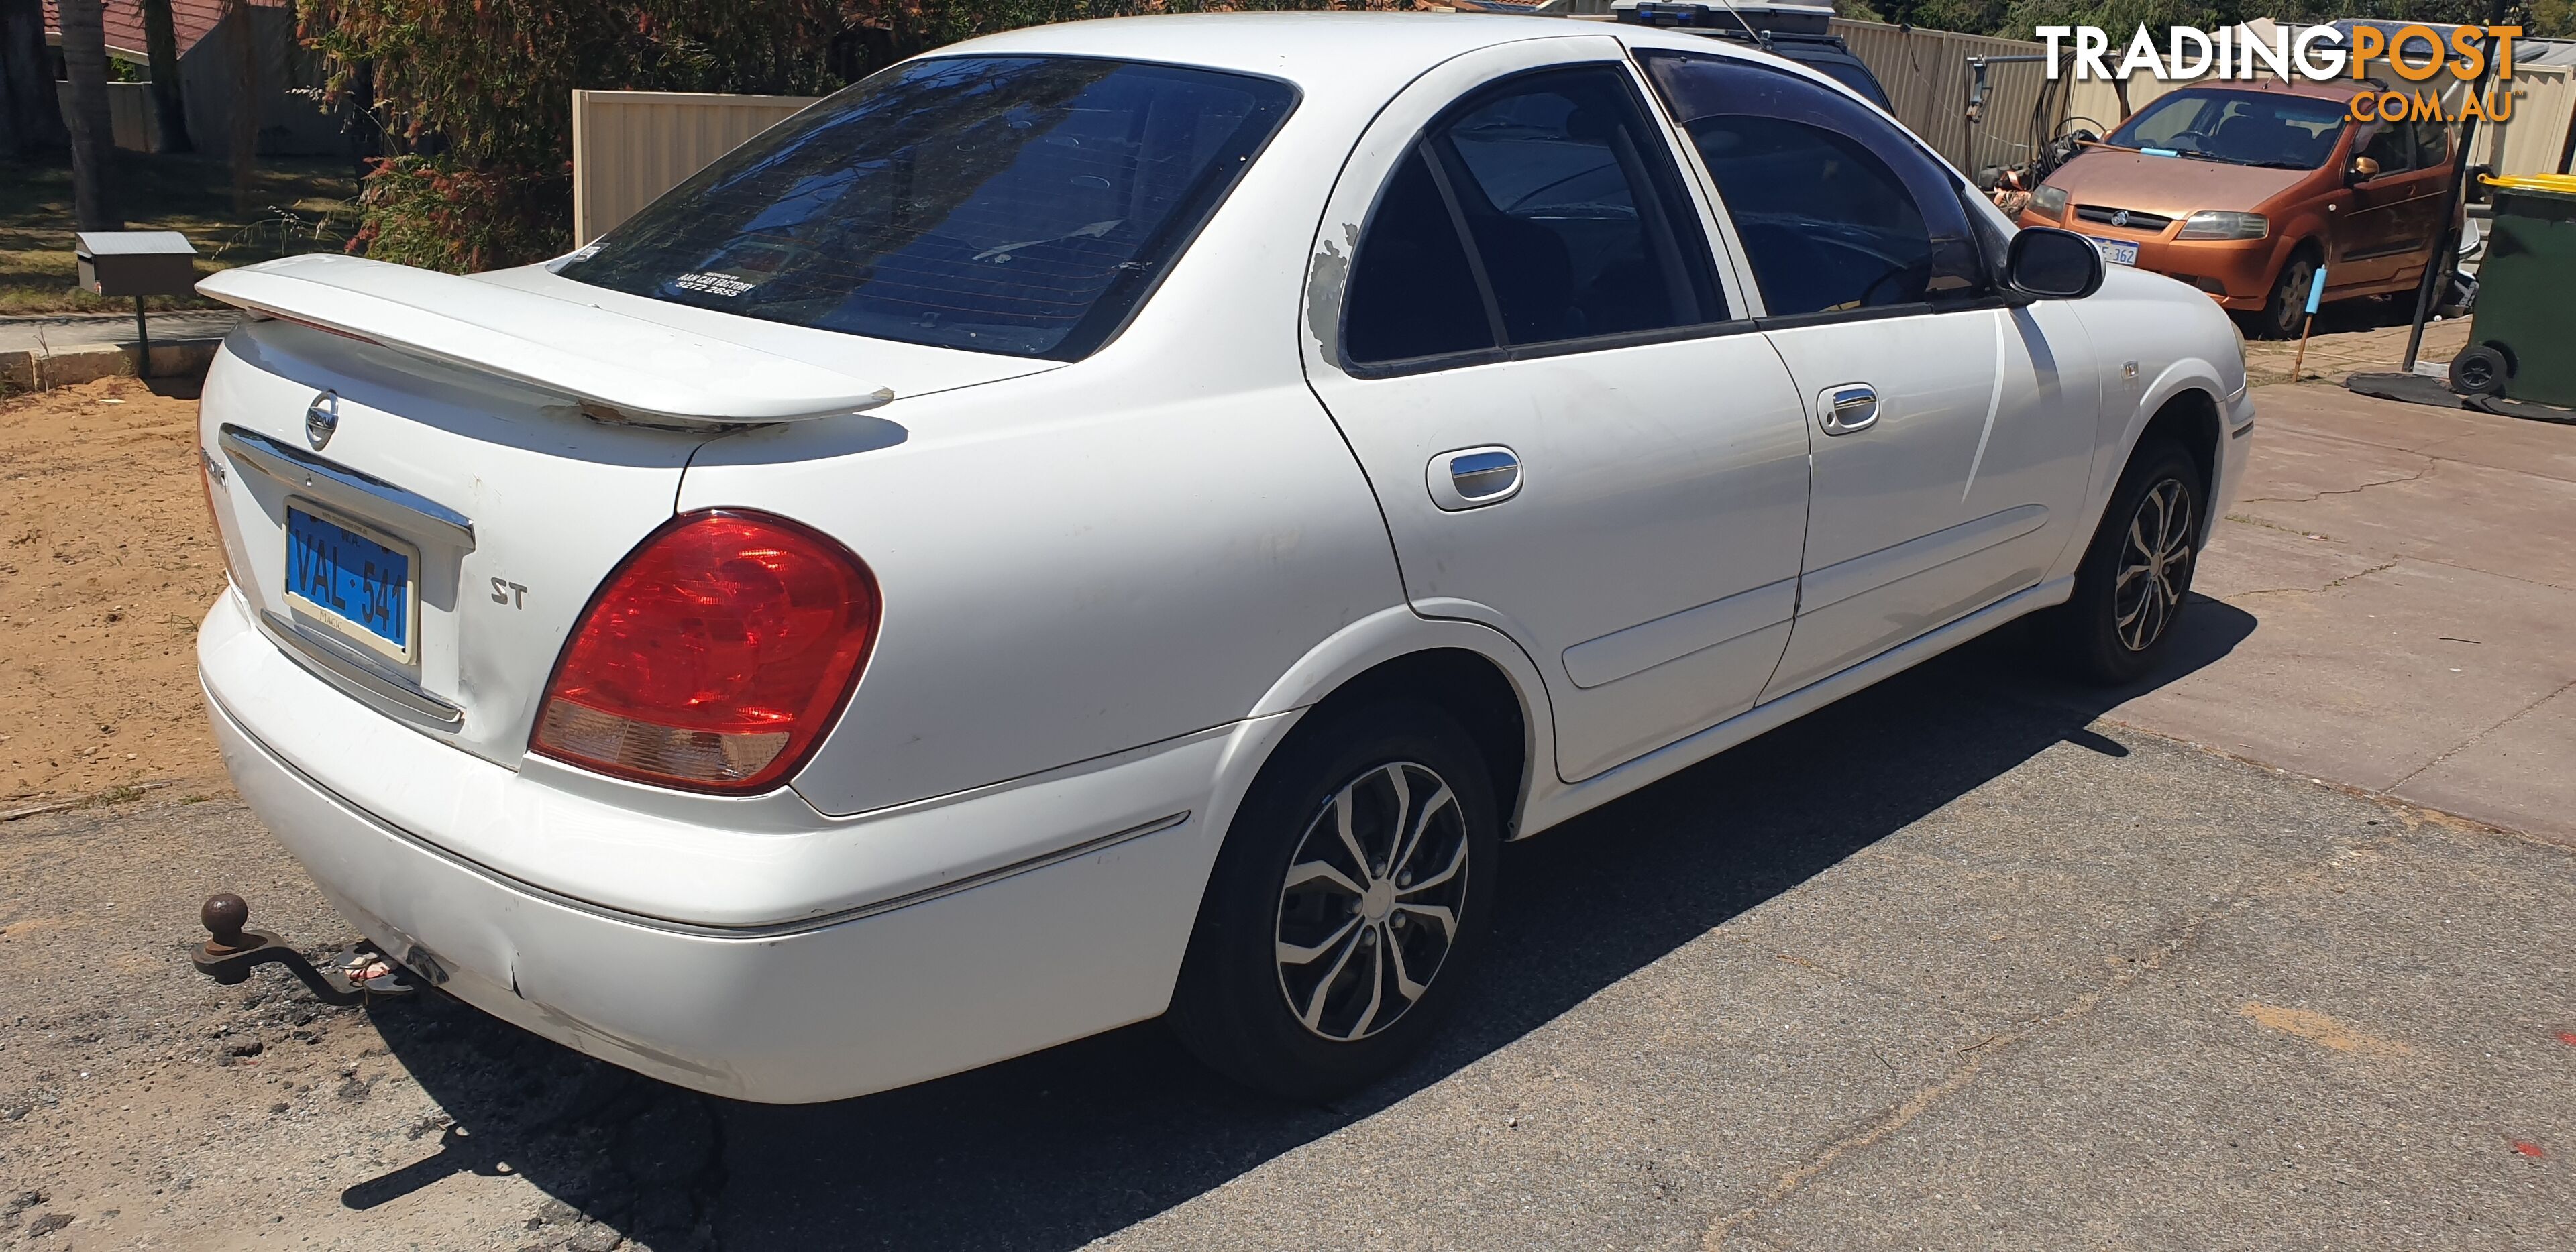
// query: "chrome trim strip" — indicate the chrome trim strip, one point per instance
point(343, 666)
point(773, 930)
point(362, 494)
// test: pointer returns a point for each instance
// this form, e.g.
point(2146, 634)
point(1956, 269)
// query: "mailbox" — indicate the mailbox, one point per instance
point(136, 262)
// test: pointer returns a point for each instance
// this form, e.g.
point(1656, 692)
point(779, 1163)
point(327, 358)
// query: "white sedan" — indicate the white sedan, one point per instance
point(1119, 519)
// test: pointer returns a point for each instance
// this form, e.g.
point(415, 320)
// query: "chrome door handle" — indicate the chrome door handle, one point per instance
point(1850, 407)
point(1471, 478)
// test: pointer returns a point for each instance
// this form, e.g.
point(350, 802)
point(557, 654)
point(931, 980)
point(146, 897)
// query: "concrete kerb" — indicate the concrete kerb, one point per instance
point(40, 369)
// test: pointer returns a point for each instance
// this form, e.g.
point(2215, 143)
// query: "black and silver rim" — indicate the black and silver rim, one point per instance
point(1371, 901)
point(2155, 566)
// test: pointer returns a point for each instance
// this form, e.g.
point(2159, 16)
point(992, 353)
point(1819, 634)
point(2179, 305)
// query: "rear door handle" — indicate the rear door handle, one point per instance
point(1847, 408)
point(1471, 478)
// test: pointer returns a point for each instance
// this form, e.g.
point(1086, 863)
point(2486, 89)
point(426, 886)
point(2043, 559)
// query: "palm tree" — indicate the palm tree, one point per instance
point(161, 41)
point(30, 115)
point(93, 138)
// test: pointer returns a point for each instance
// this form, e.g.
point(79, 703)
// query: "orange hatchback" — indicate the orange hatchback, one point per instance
point(2244, 189)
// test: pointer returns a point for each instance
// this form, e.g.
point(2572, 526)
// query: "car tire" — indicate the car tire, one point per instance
point(1386, 959)
point(2288, 305)
point(2479, 371)
point(2135, 577)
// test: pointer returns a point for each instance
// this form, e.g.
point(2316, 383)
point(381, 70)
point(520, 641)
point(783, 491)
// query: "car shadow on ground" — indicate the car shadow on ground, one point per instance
point(1056, 1149)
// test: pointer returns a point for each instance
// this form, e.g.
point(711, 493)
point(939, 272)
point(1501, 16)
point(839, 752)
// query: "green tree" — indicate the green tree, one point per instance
point(161, 42)
point(476, 100)
point(475, 96)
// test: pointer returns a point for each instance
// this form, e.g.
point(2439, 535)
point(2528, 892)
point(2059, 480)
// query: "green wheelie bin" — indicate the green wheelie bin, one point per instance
point(2522, 339)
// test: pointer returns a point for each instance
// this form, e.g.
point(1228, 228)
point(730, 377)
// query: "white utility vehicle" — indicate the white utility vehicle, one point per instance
point(1122, 518)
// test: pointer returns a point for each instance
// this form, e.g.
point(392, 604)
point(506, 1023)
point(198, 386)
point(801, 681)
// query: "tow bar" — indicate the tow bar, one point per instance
point(353, 976)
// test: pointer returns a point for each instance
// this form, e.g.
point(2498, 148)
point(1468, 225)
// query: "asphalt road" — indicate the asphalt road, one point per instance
point(1951, 964)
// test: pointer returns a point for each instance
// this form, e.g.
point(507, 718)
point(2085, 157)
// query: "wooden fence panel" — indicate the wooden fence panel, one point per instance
point(2535, 140)
point(132, 122)
point(1927, 78)
point(628, 147)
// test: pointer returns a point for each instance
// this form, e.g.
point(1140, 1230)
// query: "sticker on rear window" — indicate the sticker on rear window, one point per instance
point(713, 283)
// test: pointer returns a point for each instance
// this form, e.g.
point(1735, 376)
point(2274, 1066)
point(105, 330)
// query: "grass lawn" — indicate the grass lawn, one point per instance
point(189, 194)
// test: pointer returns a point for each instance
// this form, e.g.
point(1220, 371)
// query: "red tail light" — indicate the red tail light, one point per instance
point(715, 657)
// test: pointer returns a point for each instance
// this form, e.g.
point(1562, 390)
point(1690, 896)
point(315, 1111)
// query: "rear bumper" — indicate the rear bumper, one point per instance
point(915, 985)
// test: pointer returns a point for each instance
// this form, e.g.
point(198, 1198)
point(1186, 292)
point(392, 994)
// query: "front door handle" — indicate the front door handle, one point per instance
point(1471, 478)
point(1847, 408)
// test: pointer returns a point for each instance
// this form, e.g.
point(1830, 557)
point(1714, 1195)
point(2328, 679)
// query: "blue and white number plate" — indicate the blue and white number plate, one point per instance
point(2116, 251)
point(356, 582)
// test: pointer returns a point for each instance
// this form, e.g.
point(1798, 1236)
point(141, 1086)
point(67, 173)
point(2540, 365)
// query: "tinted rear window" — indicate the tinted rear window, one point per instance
point(1018, 205)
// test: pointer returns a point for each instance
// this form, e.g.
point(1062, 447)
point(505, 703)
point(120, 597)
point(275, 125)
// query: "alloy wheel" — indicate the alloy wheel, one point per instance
point(1370, 903)
point(2290, 300)
point(2155, 566)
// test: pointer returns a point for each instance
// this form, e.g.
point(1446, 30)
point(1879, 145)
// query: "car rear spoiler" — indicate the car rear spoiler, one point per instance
point(622, 368)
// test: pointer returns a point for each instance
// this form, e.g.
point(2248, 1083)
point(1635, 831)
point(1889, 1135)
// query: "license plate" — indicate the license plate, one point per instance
point(2116, 251)
point(354, 581)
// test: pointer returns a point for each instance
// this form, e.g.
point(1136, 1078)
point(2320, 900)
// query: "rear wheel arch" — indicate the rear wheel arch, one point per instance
point(1471, 688)
point(1476, 671)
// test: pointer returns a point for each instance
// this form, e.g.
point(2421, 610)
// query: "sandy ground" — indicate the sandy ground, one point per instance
point(106, 566)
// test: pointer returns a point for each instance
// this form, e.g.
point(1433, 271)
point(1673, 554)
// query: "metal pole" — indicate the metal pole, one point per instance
point(143, 363)
point(2437, 267)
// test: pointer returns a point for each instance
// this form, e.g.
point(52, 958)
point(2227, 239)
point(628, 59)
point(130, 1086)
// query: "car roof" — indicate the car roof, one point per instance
point(1362, 53)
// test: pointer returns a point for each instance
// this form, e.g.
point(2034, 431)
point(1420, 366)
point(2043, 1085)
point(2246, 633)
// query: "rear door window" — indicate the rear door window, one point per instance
point(1573, 217)
point(1414, 292)
point(1017, 205)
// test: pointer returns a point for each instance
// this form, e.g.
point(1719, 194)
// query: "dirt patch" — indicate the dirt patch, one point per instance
point(107, 564)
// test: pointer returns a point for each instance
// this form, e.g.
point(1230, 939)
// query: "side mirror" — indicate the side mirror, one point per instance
point(2362, 170)
point(2053, 264)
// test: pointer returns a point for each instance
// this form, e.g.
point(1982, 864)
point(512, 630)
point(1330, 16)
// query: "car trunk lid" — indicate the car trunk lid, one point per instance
point(494, 447)
point(614, 365)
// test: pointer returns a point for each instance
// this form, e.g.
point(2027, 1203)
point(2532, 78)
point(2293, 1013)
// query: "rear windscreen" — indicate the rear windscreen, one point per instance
point(1019, 205)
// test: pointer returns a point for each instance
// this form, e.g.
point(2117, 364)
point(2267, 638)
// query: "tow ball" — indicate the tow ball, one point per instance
point(352, 976)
